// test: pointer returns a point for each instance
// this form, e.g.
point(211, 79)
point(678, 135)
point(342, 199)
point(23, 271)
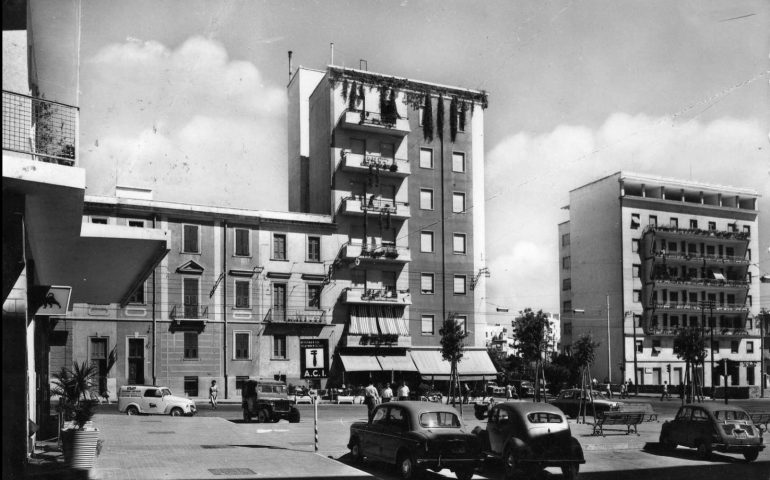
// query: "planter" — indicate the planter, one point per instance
point(80, 448)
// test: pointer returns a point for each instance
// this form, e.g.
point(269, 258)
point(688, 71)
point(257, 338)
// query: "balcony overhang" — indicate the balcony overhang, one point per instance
point(372, 122)
point(102, 263)
point(376, 297)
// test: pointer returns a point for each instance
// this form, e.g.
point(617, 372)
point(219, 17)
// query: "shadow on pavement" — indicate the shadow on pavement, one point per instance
point(655, 448)
point(754, 470)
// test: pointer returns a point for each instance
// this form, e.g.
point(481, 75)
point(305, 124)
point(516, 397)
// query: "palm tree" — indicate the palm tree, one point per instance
point(76, 388)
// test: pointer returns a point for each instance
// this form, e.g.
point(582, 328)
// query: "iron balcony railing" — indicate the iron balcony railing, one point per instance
point(700, 258)
point(189, 312)
point(376, 205)
point(673, 331)
point(377, 164)
point(275, 315)
point(720, 234)
point(42, 128)
point(724, 307)
point(352, 251)
point(704, 282)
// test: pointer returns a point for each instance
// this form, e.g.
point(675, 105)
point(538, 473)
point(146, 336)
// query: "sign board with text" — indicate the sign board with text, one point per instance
point(313, 355)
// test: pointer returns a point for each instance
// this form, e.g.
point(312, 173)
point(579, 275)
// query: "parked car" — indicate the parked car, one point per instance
point(568, 401)
point(530, 437)
point(415, 436)
point(524, 388)
point(267, 401)
point(721, 428)
point(148, 399)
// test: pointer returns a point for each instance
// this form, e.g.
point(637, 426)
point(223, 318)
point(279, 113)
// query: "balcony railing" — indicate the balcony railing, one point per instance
point(375, 164)
point(720, 234)
point(189, 312)
point(725, 307)
point(377, 296)
point(376, 253)
point(33, 126)
point(314, 317)
point(719, 331)
point(356, 205)
point(374, 122)
point(691, 257)
point(703, 282)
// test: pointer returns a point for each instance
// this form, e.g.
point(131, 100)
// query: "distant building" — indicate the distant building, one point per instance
point(662, 254)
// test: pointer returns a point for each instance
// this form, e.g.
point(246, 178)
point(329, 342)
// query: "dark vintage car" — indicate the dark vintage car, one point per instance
point(530, 437)
point(721, 428)
point(415, 436)
point(568, 401)
point(268, 401)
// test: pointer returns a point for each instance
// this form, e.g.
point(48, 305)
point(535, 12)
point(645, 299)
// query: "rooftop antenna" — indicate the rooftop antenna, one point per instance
point(290, 52)
point(331, 48)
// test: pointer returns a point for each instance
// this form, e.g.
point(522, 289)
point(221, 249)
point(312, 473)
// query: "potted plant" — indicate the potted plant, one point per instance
point(77, 391)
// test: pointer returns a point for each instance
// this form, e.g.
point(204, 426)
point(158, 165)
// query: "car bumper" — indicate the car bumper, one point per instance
point(731, 448)
point(453, 462)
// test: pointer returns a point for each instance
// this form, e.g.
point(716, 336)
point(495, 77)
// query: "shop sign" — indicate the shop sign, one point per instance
point(313, 353)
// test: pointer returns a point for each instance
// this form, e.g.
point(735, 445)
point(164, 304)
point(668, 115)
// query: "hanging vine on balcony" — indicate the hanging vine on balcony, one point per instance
point(440, 117)
point(463, 111)
point(427, 119)
point(390, 113)
point(353, 97)
point(383, 101)
point(453, 118)
point(345, 89)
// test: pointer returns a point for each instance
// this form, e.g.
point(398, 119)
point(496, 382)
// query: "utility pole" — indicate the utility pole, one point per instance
point(763, 317)
point(609, 346)
point(633, 323)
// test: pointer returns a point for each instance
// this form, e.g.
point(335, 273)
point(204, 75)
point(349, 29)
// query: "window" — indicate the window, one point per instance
point(426, 199)
point(635, 222)
point(637, 296)
point(462, 320)
point(314, 296)
point(426, 324)
point(138, 295)
point(279, 346)
point(674, 222)
point(426, 242)
point(190, 345)
point(458, 162)
point(279, 247)
point(735, 346)
point(732, 227)
point(693, 224)
point(191, 297)
point(565, 240)
point(635, 269)
point(190, 239)
point(566, 307)
point(99, 360)
point(241, 346)
point(191, 386)
point(640, 346)
point(565, 263)
point(99, 220)
point(313, 249)
point(426, 284)
point(459, 285)
point(426, 158)
point(136, 223)
point(566, 284)
point(458, 243)
point(747, 229)
point(242, 294)
point(655, 347)
point(635, 245)
point(242, 242)
point(712, 225)
point(458, 202)
point(749, 347)
point(653, 221)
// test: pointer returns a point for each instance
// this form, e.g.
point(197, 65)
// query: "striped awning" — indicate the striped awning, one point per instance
point(378, 319)
point(360, 363)
point(362, 321)
point(475, 365)
point(397, 363)
point(391, 320)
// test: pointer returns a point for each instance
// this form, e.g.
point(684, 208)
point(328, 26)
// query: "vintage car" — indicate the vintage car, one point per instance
point(568, 401)
point(415, 436)
point(267, 401)
point(148, 399)
point(530, 437)
point(721, 428)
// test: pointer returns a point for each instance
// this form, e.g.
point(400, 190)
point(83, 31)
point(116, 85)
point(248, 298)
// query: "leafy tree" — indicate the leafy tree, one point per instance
point(690, 346)
point(584, 351)
point(531, 332)
point(452, 346)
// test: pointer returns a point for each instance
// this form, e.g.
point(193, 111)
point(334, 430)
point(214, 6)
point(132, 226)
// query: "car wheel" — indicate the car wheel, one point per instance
point(132, 410)
point(667, 444)
point(355, 450)
point(509, 463)
point(294, 416)
point(263, 416)
point(246, 416)
point(464, 473)
point(176, 412)
point(704, 450)
point(570, 471)
point(751, 455)
point(406, 466)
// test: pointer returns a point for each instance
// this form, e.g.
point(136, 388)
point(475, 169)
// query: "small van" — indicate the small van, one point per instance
point(148, 399)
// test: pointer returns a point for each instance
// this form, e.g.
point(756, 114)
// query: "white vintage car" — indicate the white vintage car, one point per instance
point(147, 399)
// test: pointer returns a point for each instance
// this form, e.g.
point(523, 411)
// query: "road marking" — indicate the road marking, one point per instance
point(268, 430)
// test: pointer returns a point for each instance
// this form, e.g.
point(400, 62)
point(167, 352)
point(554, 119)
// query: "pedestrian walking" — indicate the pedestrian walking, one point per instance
point(609, 390)
point(213, 391)
point(403, 391)
point(371, 398)
point(630, 386)
point(665, 395)
point(466, 392)
point(508, 394)
point(387, 393)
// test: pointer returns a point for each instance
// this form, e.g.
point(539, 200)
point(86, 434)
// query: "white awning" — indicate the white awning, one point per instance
point(391, 321)
point(718, 276)
point(360, 363)
point(362, 322)
point(397, 363)
point(475, 365)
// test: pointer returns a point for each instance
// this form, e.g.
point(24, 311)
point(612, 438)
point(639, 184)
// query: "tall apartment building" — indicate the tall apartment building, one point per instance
point(399, 165)
point(643, 256)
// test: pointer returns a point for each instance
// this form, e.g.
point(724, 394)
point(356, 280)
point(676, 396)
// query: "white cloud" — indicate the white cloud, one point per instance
point(528, 178)
point(188, 122)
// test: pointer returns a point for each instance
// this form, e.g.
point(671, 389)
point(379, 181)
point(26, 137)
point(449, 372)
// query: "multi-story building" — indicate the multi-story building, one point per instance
point(643, 256)
point(406, 187)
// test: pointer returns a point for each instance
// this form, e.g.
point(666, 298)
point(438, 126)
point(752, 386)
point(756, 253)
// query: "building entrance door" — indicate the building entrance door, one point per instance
point(135, 361)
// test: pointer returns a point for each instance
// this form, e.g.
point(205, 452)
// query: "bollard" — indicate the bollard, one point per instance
point(315, 423)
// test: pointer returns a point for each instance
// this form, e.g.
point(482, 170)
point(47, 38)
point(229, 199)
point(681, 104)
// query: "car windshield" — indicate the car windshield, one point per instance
point(272, 388)
point(439, 420)
point(544, 417)
point(725, 415)
point(165, 391)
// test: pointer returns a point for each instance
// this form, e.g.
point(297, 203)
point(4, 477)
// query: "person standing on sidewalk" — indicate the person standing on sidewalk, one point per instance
point(665, 395)
point(403, 392)
point(213, 391)
point(387, 393)
point(508, 394)
point(370, 398)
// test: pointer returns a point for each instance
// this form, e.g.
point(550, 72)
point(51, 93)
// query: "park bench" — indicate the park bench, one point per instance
point(650, 414)
point(629, 419)
point(760, 419)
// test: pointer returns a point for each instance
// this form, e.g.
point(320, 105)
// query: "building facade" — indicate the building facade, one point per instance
point(643, 257)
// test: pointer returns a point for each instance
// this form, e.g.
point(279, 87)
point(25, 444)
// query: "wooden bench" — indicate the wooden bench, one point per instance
point(761, 420)
point(650, 414)
point(629, 419)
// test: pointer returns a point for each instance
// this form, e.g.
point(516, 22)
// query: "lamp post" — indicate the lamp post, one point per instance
point(609, 346)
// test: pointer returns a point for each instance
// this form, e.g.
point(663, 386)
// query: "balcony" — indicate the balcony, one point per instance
point(375, 164)
point(294, 317)
point(697, 232)
point(375, 206)
point(375, 253)
point(718, 331)
point(376, 296)
point(189, 312)
point(695, 307)
point(708, 259)
point(707, 283)
point(43, 129)
point(374, 122)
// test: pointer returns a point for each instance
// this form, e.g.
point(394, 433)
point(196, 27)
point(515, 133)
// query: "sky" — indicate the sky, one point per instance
point(188, 98)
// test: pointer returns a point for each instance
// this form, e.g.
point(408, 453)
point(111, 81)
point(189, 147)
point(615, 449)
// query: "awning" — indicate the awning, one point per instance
point(362, 322)
point(475, 365)
point(397, 363)
point(391, 321)
point(718, 276)
point(360, 363)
